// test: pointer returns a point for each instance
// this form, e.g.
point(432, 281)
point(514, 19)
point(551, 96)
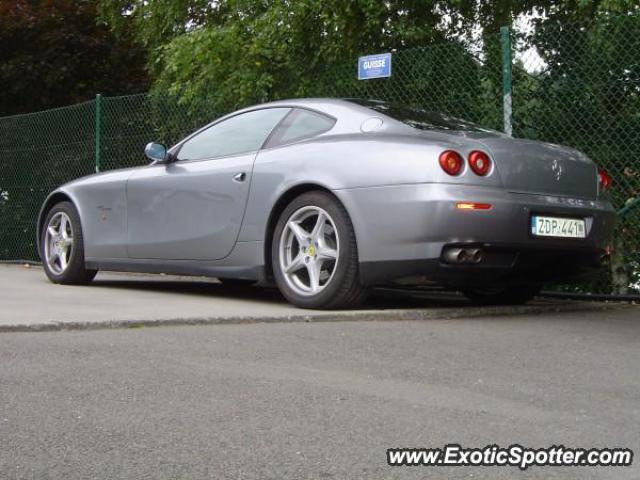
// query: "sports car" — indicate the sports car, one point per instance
point(327, 197)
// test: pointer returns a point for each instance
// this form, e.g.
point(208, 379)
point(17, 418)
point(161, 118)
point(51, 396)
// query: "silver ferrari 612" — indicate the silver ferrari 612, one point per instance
point(328, 197)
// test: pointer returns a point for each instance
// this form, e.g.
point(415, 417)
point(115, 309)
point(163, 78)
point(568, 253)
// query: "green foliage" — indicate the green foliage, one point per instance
point(157, 22)
point(236, 52)
point(281, 49)
point(54, 53)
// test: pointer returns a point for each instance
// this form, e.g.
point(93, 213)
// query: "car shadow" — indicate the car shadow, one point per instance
point(379, 298)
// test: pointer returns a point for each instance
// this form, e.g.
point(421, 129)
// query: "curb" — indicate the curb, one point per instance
point(348, 316)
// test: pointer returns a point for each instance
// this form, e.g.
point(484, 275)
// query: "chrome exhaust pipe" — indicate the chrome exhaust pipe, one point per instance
point(454, 255)
point(475, 254)
point(462, 255)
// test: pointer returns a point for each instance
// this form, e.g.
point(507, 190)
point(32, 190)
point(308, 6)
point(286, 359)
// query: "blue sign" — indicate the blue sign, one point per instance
point(374, 66)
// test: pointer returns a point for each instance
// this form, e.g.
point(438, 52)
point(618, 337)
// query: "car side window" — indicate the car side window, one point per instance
point(299, 124)
point(239, 134)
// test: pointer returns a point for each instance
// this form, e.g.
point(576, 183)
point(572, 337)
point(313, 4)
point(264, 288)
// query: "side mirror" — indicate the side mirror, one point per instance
point(156, 152)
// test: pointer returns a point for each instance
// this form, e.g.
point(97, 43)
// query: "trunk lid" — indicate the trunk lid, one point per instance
point(529, 166)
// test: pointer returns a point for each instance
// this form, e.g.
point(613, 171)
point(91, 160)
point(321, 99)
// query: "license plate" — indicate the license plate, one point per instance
point(558, 227)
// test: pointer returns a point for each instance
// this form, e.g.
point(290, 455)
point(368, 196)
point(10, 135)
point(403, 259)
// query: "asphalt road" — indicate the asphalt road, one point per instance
point(317, 400)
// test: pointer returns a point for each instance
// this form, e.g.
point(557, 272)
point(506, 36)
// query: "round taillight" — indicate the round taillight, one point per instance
point(451, 162)
point(604, 179)
point(479, 162)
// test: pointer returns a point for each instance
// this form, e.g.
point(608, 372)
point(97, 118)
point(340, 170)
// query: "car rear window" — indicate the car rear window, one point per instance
point(419, 118)
point(300, 124)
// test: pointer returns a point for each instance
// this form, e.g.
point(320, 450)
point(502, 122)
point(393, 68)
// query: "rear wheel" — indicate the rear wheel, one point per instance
point(315, 256)
point(62, 246)
point(509, 295)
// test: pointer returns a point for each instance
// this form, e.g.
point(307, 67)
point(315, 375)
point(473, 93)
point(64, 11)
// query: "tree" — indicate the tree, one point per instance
point(253, 51)
point(53, 53)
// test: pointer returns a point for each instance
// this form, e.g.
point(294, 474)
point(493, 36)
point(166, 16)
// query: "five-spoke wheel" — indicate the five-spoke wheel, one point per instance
point(315, 259)
point(58, 242)
point(309, 248)
point(62, 247)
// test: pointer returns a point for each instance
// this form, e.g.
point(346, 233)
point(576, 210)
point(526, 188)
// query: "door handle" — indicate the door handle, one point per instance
point(240, 177)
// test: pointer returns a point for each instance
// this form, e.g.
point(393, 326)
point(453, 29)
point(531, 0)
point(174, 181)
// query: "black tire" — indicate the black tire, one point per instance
point(343, 289)
point(75, 273)
point(509, 295)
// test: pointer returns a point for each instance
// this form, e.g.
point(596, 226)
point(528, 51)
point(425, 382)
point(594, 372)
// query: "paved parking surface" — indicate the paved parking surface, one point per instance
point(28, 301)
point(317, 400)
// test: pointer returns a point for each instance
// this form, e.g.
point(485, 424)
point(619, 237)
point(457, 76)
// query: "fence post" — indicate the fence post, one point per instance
point(506, 80)
point(98, 127)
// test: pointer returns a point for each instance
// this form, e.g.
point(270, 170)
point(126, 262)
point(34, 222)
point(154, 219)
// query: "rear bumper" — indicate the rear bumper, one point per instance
point(500, 265)
point(402, 230)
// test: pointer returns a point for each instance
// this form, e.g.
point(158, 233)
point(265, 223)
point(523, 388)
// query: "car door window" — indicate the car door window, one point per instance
point(239, 134)
point(300, 124)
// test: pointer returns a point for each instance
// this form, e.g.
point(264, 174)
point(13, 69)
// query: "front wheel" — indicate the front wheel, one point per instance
point(62, 246)
point(315, 256)
point(509, 295)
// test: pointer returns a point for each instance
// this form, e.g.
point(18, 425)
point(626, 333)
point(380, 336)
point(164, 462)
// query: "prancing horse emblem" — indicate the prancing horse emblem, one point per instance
point(557, 169)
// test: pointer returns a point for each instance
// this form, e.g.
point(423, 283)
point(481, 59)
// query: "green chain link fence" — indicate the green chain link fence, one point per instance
point(574, 84)
point(580, 86)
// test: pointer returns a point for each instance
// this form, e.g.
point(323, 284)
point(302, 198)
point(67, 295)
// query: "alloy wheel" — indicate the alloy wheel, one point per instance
point(58, 243)
point(309, 249)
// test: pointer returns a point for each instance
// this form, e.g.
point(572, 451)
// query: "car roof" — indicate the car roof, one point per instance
point(331, 106)
point(307, 102)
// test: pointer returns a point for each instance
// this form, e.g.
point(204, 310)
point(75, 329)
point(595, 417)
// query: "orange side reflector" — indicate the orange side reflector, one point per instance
point(473, 206)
